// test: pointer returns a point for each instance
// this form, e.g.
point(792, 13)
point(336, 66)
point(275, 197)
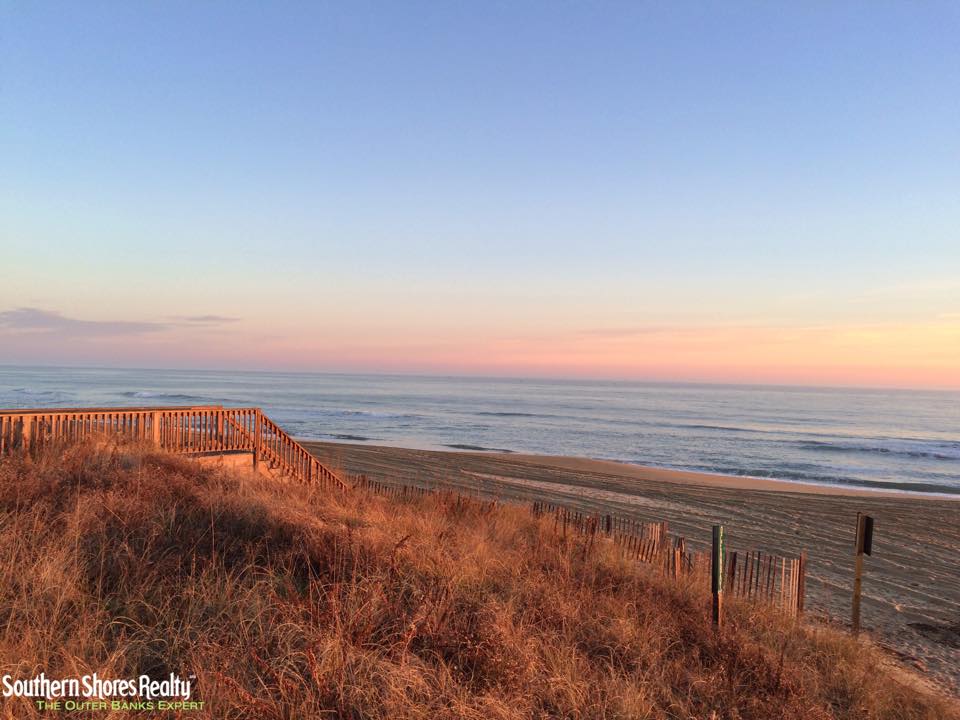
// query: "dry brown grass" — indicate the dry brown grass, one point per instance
point(287, 603)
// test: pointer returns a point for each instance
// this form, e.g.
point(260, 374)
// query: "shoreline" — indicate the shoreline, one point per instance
point(723, 480)
point(667, 474)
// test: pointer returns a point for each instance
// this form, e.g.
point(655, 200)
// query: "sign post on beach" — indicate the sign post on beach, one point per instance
point(864, 546)
point(716, 574)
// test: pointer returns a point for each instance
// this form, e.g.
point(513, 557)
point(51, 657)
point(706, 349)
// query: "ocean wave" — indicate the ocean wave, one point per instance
point(510, 414)
point(477, 448)
point(29, 397)
point(167, 397)
point(826, 479)
point(784, 473)
point(364, 414)
point(928, 449)
point(38, 393)
point(722, 428)
point(182, 398)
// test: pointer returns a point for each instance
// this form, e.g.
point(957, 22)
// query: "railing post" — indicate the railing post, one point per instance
point(155, 427)
point(27, 432)
point(256, 438)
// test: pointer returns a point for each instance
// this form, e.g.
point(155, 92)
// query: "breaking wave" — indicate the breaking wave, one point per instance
point(476, 448)
point(930, 449)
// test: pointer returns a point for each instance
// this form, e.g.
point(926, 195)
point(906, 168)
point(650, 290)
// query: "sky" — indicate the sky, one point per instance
point(732, 192)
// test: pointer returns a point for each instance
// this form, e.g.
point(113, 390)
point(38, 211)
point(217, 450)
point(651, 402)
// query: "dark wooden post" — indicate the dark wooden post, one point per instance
point(716, 578)
point(864, 545)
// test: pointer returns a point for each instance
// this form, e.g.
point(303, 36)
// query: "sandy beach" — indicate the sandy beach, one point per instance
point(911, 603)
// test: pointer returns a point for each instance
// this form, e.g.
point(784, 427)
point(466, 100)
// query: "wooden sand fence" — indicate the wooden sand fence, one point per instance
point(754, 576)
point(190, 430)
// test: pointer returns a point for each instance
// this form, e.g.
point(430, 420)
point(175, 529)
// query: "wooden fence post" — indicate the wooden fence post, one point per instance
point(675, 560)
point(802, 587)
point(864, 545)
point(716, 575)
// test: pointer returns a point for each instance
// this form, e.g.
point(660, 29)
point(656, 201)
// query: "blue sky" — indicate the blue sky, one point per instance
point(430, 174)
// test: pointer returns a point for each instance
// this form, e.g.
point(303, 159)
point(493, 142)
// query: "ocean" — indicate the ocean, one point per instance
point(892, 439)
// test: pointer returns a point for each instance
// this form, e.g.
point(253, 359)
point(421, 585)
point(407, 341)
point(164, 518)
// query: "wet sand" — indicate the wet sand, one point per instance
point(911, 589)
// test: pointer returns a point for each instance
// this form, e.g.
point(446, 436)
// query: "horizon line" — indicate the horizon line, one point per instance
point(478, 376)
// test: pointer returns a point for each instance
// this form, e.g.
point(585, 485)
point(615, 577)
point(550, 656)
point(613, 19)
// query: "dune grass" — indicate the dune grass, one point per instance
point(290, 603)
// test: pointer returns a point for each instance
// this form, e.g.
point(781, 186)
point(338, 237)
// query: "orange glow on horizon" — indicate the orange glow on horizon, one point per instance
point(900, 356)
point(919, 355)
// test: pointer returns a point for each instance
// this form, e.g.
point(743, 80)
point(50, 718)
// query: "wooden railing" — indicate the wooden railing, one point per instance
point(275, 446)
point(193, 430)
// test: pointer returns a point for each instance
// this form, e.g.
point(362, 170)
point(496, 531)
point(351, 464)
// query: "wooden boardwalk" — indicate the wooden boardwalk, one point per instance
point(189, 430)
